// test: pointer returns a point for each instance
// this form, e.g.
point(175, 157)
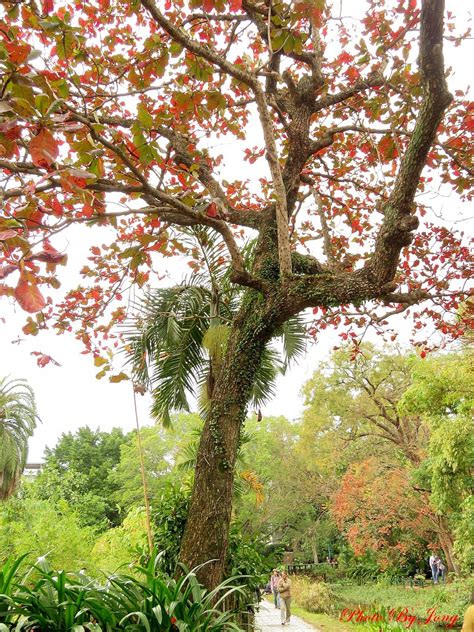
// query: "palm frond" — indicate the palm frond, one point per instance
point(18, 419)
point(294, 336)
point(265, 377)
point(164, 345)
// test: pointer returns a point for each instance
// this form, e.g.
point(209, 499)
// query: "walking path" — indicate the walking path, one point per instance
point(267, 619)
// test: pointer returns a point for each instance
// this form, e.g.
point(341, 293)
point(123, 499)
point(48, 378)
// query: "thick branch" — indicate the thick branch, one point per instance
point(398, 224)
point(372, 81)
point(180, 36)
point(284, 252)
point(328, 250)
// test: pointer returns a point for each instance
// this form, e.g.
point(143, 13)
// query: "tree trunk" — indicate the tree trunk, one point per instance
point(206, 533)
point(314, 550)
point(446, 543)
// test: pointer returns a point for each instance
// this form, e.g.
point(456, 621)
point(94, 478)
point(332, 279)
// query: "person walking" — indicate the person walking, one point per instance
point(441, 566)
point(284, 588)
point(434, 568)
point(274, 579)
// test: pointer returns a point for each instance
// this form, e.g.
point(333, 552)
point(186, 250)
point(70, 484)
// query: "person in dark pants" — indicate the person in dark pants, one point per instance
point(274, 579)
point(441, 569)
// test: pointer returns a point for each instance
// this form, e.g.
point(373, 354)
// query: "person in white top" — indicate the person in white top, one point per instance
point(434, 568)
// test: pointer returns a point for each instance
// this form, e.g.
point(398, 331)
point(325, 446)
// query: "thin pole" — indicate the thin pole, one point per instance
point(142, 469)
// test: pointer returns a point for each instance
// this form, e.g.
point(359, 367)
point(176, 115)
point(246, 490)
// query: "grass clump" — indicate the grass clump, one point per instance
point(313, 596)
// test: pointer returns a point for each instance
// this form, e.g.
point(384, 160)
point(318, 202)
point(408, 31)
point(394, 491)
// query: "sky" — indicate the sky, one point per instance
point(69, 396)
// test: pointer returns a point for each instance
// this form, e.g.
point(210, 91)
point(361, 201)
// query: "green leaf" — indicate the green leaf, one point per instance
point(144, 116)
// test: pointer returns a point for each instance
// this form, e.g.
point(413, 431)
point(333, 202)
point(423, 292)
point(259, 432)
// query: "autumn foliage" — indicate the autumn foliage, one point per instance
point(376, 508)
point(320, 135)
point(101, 100)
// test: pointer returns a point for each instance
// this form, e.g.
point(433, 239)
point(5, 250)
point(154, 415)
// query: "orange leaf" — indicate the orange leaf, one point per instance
point(43, 149)
point(17, 52)
point(29, 297)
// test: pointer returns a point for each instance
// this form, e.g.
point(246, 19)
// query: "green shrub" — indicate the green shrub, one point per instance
point(45, 599)
point(313, 596)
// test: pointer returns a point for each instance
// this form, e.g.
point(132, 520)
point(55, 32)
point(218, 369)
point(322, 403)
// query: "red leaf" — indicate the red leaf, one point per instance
point(57, 208)
point(43, 359)
point(6, 270)
point(356, 226)
point(48, 6)
point(235, 5)
point(208, 5)
point(87, 210)
point(50, 254)
point(43, 149)
point(352, 73)
point(211, 210)
point(29, 297)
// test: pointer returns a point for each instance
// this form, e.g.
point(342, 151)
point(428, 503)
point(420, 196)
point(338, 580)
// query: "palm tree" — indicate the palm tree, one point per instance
point(17, 423)
point(176, 342)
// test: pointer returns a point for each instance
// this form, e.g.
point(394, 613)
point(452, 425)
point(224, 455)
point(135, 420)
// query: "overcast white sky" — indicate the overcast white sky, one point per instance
point(69, 396)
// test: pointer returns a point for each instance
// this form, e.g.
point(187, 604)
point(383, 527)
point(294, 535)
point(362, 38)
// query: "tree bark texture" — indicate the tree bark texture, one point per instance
point(207, 529)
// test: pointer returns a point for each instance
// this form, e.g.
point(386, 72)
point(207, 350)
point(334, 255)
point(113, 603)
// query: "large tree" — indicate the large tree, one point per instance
point(113, 112)
point(79, 470)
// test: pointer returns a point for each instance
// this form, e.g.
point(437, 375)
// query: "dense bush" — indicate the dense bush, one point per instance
point(39, 598)
point(169, 520)
point(313, 596)
point(247, 557)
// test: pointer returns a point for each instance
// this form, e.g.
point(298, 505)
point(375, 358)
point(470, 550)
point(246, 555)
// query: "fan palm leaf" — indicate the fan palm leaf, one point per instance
point(177, 340)
point(17, 422)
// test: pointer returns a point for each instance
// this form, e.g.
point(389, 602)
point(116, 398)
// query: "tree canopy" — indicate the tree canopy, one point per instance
point(79, 470)
point(140, 118)
point(113, 114)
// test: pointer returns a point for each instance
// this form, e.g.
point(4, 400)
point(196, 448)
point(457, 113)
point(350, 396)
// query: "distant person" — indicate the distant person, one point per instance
point(274, 579)
point(441, 569)
point(468, 624)
point(434, 568)
point(284, 588)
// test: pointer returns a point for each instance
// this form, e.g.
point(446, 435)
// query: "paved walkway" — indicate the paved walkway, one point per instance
point(268, 619)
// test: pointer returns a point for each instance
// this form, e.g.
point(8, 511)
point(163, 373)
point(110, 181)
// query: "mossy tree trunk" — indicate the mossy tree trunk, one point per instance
point(207, 530)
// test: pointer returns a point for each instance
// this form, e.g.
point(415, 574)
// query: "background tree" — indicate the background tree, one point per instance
point(107, 113)
point(442, 393)
point(79, 470)
point(161, 452)
point(29, 525)
point(376, 509)
point(17, 422)
point(409, 414)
